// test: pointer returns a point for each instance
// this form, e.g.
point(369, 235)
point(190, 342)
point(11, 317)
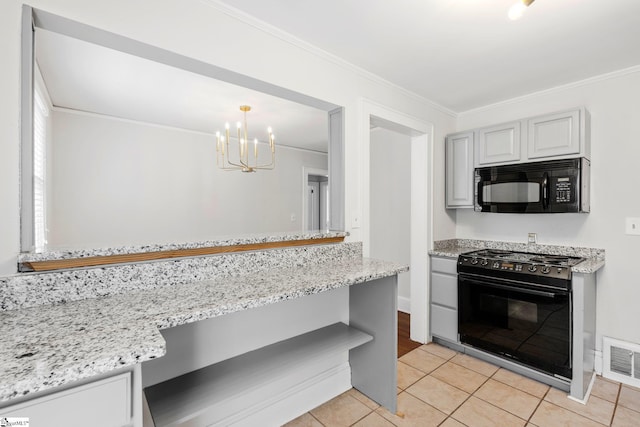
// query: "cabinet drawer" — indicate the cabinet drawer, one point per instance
point(444, 265)
point(444, 289)
point(444, 322)
point(103, 403)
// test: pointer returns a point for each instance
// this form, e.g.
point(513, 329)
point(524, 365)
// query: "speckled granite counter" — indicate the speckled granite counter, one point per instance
point(51, 345)
point(594, 258)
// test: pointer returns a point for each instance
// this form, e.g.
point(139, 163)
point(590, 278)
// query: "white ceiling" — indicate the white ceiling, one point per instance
point(460, 54)
point(464, 54)
point(83, 76)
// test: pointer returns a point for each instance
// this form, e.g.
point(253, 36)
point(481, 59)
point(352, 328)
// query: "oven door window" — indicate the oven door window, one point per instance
point(530, 326)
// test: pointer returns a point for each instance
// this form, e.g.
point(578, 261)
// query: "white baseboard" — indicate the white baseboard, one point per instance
point(585, 399)
point(598, 362)
point(404, 305)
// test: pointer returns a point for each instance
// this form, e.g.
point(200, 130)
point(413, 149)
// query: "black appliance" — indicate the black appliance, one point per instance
point(517, 305)
point(542, 187)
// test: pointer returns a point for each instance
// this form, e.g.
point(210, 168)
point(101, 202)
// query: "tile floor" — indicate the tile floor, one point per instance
point(440, 387)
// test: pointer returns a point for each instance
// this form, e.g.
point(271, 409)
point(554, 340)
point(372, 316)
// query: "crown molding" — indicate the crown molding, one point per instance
point(572, 85)
point(314, 50)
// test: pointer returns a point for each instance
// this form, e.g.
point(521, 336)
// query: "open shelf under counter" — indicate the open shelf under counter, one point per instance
point(206, 396)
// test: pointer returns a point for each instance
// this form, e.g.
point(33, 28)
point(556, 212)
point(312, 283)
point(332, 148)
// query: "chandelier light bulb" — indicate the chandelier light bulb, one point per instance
point(517, 10)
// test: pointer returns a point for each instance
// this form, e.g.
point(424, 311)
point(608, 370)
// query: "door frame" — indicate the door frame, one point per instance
point(306, 172)
point(421, 133)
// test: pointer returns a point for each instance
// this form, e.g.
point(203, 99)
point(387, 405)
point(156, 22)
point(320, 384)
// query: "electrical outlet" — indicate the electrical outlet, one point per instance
point(355, 221)
point(533, 237)
point(293, 217)
point(632, 226)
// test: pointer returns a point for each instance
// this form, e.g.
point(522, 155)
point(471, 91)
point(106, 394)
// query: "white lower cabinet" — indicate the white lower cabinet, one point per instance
point(444, 298)
point(102, 403)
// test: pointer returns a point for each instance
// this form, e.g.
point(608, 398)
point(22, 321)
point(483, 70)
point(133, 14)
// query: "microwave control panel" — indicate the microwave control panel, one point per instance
point(563, 190)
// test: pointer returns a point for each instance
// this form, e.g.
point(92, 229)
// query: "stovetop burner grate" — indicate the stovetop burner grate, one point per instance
point(526, 257)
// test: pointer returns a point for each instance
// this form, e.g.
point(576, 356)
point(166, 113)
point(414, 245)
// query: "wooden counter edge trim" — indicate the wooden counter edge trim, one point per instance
point(95, 261)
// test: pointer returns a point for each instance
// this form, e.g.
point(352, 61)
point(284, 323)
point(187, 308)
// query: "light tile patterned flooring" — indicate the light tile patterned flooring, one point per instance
point(440, 387)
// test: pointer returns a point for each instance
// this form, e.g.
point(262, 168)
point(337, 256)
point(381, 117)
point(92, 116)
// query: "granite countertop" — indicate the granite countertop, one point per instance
point(52, 345)
point(594, 258)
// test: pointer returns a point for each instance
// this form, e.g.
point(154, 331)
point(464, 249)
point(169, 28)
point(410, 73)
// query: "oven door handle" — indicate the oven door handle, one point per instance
point(524, 290)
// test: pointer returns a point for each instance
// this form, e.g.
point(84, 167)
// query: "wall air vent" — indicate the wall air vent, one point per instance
point(621, 361)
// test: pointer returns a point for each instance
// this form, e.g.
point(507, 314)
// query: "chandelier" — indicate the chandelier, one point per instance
point(243, 161)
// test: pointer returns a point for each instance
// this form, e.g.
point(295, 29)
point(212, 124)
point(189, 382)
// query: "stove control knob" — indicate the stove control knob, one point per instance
point(484, 262)
point(533, 268)
point(474, 261)
point(546, 269)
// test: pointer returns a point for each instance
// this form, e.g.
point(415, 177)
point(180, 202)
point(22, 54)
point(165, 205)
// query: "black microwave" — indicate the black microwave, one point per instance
point(542, 187)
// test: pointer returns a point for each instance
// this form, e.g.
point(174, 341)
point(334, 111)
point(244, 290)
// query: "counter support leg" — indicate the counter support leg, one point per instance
point(373, 309)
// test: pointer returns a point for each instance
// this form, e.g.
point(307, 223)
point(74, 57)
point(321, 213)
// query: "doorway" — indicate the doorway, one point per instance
point(420, 134)
point(315, 200)
point(390, 204)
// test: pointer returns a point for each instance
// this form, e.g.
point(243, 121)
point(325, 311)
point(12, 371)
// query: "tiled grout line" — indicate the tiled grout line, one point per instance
point(312, 416)
point(537, 406)
point(478, 388)
point(363, 417)
point(527, 421)
point(468, 397)
point(615, 407)
point(492, 376)
point(433, 370)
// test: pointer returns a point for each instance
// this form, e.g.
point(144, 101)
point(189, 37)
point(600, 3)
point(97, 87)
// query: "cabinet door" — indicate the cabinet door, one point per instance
point(498, 144)
point(554, 135)
point(444, 322)
point(459, 170)
point(103, 403)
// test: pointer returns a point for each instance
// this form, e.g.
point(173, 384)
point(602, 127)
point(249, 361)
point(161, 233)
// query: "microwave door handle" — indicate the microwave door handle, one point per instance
point(545, 191)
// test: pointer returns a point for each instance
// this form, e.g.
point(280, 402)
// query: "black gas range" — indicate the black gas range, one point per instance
point(517, 305)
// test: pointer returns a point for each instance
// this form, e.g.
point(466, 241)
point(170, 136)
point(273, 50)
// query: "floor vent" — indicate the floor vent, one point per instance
point(621, 361)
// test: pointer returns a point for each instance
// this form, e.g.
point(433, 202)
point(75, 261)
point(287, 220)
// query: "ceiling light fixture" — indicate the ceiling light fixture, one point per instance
point(516, 11)
point(242, 162)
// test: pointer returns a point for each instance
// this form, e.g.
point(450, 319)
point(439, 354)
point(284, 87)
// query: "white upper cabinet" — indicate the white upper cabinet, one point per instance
point(498, 144)
point(459, 170)
point(558, 134)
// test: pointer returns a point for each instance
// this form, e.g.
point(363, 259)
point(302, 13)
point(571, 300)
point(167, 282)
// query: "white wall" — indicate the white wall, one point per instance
point(615, 155)
point(117, 182)
point(198, 29)
point(390, 203)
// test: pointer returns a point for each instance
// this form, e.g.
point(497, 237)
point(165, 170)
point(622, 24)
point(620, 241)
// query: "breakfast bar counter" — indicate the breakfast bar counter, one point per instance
point(49, 346)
